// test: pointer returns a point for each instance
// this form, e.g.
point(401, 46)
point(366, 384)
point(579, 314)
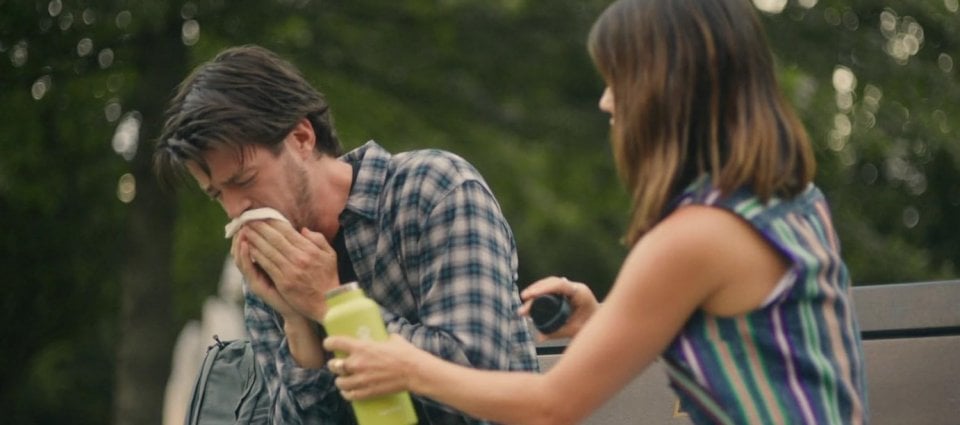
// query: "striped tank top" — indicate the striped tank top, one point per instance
point(798, 358)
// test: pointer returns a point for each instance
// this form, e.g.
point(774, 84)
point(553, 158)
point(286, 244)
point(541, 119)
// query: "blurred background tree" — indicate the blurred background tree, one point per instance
point(103, 268)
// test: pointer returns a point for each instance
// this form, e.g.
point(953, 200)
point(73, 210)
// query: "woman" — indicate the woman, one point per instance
point(734, 276)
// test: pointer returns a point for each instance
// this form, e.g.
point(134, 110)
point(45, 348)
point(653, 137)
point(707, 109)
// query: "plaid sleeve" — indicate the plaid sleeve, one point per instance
point(300, 396)
point(467, 264)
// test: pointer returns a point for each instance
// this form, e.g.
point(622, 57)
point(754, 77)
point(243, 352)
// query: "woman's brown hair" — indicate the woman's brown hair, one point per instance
point(695, 93)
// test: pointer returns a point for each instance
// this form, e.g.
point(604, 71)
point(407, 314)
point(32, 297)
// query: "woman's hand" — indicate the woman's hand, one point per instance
point(373, 368)
point(582, 302)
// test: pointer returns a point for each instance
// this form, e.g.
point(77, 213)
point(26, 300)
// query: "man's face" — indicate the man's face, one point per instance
point(257, 179)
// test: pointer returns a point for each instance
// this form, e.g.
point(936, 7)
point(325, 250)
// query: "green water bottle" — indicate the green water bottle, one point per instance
point(351, 313)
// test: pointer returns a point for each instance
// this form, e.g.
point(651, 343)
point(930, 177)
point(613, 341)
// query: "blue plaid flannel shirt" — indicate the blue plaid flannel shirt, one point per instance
point(429, 243)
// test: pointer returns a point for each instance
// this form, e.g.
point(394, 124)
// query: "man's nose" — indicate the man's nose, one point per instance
point(234, 204)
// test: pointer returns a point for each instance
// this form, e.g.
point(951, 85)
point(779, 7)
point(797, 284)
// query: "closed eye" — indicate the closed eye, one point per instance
point(244, 182)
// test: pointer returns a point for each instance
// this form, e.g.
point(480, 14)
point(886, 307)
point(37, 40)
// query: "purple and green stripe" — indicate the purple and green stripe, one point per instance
point(797, 359)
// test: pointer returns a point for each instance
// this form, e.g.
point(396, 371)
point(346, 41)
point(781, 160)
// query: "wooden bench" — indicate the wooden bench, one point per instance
point(911, 338)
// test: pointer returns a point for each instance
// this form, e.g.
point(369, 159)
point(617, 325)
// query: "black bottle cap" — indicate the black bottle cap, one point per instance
point(549, 312)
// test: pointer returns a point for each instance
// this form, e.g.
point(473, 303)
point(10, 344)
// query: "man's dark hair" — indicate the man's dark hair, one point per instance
point(246, 95)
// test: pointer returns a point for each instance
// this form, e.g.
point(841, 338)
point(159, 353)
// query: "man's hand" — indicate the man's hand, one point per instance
point(260, 283)
point(301, 265)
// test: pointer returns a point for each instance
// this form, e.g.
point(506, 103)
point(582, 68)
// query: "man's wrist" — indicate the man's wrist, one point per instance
point(320, 309)
point(305, 342)
point(297, 323)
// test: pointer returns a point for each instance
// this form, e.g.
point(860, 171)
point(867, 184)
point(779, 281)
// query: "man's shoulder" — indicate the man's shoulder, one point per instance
point(421, 176)
point(439, 160)
point(433, 160)
point(431, 170)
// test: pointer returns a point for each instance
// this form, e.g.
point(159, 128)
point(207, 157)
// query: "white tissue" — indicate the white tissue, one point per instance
point(255, 214)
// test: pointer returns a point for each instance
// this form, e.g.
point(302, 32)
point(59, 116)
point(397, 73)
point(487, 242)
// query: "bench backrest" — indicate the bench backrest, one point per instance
point(911, 336)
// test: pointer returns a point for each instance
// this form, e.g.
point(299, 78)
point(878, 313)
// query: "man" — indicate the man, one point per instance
point(420, 231)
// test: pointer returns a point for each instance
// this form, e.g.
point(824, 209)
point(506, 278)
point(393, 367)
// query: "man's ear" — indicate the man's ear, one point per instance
point(302, 139)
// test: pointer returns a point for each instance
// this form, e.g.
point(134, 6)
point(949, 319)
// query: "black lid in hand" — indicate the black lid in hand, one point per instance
point(549, 312)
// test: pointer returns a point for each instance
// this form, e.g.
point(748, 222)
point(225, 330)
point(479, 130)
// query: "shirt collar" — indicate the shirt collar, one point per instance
point(374, 163)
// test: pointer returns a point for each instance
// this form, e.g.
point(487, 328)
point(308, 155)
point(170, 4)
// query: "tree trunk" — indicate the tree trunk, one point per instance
point(146, 337)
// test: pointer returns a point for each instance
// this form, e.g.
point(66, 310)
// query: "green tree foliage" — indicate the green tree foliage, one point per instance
point(876, 82)
point(102, 274)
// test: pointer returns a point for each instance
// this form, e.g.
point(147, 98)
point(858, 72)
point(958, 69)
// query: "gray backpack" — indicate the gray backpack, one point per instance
point(230, 388)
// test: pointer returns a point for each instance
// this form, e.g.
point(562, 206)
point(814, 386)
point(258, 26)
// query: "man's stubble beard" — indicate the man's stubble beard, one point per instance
point(303, 200)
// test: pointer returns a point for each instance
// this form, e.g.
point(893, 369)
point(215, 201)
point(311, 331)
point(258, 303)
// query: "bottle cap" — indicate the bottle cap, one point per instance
point(549, 312)
point(346, 287)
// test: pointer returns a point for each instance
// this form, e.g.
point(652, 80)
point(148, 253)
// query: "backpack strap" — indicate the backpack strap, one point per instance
point(196, 399)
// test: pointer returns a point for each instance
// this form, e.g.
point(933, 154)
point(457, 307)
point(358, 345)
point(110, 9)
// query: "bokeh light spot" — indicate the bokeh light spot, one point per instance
point(54, 8)
point(127, 136)
point(952, 5)
point(19, 54)
point(127, 188)
point(770, 6)
point(123, 19)
point(84, 47)
point(945, 62)
point(190, 33)
point(112, 111)
point(41, 87)
point(105, 58)
point(89, 16)
point(66, 21)
point(911, 217)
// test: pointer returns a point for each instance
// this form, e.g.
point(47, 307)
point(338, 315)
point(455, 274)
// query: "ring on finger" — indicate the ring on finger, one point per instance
point(338, 367)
